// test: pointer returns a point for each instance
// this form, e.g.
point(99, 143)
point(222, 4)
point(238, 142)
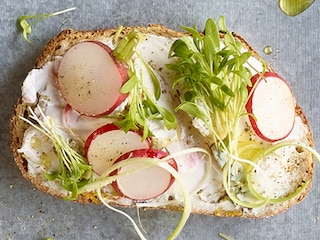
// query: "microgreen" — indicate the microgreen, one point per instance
point(143, 105)
point(216, 78)
point(213, 79)
point(74, 170)
point(26, 24)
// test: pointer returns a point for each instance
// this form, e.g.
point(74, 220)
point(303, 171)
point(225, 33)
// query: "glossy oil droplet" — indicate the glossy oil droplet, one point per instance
point(294, 7)
point(267, 50)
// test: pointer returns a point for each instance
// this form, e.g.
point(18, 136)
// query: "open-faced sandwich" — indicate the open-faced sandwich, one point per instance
point(160, 119)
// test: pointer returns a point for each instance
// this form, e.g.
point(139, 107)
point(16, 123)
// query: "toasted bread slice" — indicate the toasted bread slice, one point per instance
point(301, 168)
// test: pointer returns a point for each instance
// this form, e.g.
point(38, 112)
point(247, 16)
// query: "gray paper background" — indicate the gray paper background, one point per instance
point(26, 213)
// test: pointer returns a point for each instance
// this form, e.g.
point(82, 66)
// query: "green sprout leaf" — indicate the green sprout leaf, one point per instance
point(222, 24)
point(26, 25)
point(211, 30)
point(193, 109)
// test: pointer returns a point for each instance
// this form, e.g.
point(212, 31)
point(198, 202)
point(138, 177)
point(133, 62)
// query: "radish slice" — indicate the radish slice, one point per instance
point(273, 106)
point(109, 142)
point(146, 183)
point(90, 80)
point(121, 68)
point(81, 125)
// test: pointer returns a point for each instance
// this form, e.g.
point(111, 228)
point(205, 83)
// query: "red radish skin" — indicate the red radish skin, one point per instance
point(90, 79)
point(147, 183)
point(107, 143)
point(272, 105)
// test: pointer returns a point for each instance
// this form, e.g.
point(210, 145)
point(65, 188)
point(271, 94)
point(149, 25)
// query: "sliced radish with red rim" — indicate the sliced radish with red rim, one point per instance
point(123, 71)
point(90, 79)
point(272, 105)
point(107, 143)
point(141, 182)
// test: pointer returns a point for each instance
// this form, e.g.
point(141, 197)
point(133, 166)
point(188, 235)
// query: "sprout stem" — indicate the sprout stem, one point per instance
point(63, 11)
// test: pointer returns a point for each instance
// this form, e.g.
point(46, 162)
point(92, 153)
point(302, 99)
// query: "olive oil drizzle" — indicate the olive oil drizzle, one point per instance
point(294, 7)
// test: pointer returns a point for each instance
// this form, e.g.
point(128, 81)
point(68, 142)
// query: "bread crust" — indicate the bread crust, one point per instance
point(67, 38)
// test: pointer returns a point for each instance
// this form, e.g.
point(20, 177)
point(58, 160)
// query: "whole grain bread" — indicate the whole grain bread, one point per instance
point(67, 38)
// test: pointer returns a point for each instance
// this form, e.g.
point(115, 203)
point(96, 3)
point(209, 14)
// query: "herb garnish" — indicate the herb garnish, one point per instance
point(74, 170)
point(213, 81)
point(143, 105)
point(26, 26)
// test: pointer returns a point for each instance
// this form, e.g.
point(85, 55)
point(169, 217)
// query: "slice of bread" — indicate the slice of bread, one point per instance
point(301, 168)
